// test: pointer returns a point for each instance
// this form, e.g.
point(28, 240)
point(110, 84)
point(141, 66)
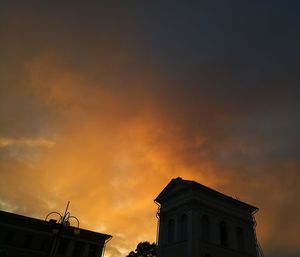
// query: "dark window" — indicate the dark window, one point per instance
point(93, 250)
point(183, 226)
point(46, 244)
point(9, 237)
point(205, 228)
point(63, 246)
point(171, 231)
point(223, 234)
point(27, 241)
point(78, 249)
point(240, 238)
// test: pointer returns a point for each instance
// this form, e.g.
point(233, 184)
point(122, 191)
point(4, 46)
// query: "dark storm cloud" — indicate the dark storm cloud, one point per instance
point(210, 86)
point(235, 59)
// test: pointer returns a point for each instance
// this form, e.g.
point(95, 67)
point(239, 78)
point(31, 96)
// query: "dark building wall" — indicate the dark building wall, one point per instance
point(215, 226)
point(27, 237)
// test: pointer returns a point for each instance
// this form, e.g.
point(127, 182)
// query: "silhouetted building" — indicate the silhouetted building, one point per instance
point(22, 236)
point(196, 221)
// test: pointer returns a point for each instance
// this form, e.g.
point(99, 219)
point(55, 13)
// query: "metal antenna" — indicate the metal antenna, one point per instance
point(65, 218)
point(63, 223)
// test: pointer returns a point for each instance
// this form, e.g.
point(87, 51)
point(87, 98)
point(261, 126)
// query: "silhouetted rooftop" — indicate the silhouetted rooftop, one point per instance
point(190, 184)
point(42, 225)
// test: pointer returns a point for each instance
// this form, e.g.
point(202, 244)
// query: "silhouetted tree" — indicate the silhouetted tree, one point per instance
point(144, 249)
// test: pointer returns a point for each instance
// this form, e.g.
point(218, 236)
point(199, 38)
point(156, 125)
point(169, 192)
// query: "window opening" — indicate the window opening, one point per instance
point(63, 245)
point(205, 228)
point(223, 234)
point(171, 231)
point(240, 238)
point(183, 226)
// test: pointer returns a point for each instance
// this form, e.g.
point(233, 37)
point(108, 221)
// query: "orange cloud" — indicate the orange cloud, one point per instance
point(29, 142)
point(91, 119)
point(114, 152)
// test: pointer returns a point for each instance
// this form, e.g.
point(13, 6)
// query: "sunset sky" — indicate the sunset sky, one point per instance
point(104, 102)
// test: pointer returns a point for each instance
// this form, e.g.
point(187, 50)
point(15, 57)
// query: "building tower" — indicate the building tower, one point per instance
point(196, 221)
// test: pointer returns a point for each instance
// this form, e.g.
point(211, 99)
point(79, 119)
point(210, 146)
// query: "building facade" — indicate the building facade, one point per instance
point(22, 236)
point(196, 221)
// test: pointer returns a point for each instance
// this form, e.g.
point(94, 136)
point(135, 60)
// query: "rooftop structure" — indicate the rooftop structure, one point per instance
point(22, 236)
point(197, 221)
